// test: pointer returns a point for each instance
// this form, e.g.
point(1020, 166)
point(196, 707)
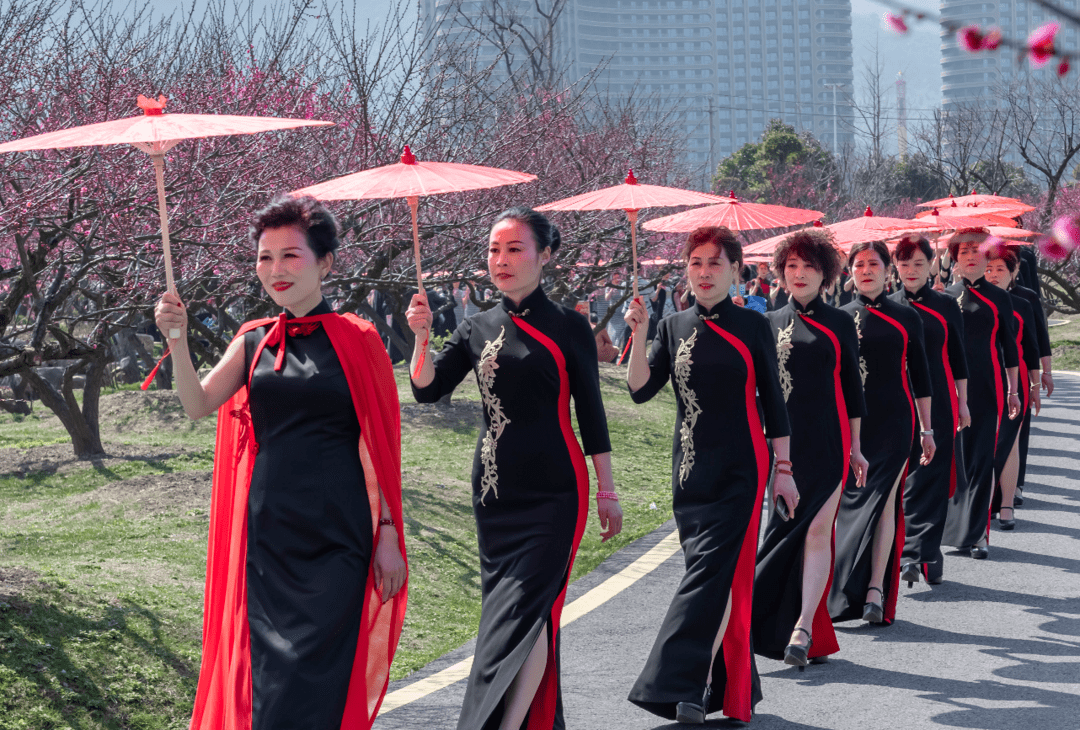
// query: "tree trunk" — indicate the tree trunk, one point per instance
point(81, 424)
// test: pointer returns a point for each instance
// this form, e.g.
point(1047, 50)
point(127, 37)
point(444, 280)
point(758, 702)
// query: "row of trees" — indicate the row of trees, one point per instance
point(80, 259)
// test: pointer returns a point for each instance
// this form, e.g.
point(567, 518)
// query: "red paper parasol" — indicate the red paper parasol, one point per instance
point(155, 133)
point(975, 200)
point(966, 218)
point(1001, 232)
point(737, 215)
point(632, 196)
point(410, 179)
point(867, 227)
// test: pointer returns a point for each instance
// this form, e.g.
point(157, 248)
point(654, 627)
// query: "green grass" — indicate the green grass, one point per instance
point(1065, 340)
point(105, 632)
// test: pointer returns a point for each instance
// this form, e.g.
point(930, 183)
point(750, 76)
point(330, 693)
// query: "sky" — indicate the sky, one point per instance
point(917, 54)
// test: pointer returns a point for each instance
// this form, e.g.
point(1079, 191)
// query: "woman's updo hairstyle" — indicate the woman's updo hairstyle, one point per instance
point(720, 235)
point(878, 247)
point(305, 213)
point(1009, 258)
point(911, 243)
point(816, 247)
point(544, 232)
point(976, 234)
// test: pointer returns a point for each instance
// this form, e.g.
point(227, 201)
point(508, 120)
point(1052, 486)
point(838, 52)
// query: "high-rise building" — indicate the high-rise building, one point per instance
point(726, 66)
point(966, 77)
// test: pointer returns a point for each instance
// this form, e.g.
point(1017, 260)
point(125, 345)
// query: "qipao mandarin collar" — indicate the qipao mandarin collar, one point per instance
point(814, 304)
point(724, 305)
point(322, 308)
point(531, 302)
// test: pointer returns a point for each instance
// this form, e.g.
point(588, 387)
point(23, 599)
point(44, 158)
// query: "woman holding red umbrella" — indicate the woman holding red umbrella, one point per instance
point(928, 488)
point(702, 660)
point(818, 361)
point(869, 526)
point(305, 593)
point(990, 343)
point(530, 479)
point(1001, 271)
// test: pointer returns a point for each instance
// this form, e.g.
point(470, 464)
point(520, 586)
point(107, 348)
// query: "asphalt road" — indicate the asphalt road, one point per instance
point(996, 647)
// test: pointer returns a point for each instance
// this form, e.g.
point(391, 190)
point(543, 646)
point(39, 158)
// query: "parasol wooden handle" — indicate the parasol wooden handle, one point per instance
point(414, 203)
point(633, 248)
point(159, 173)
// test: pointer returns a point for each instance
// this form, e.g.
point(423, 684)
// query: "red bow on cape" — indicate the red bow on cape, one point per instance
point(223, 699)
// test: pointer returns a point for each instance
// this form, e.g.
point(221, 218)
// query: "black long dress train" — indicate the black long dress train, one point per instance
point(720, 465)
point(309, 533)
point(890, 352)
point(990, 344)
point(928, 488)
point(1028, 347)
point(530, 485)
point(818, 359)
point(1042, 337)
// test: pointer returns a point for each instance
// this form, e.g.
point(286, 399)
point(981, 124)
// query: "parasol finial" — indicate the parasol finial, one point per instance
point(869, 213)
point(974, 191)
point(407, 157)
point(630, 179)
point(731, 193)
point(954, 205)
point(152, 107)
point(818, 224)
point(936, 214)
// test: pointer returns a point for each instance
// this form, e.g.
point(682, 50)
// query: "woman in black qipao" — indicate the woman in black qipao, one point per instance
point(1000, 271)
point(990, 344)
point(530, 480)
point(870, 525)
point(1042, 337)
point(928, 488)
point(304, 526)
point(818, 361)
point(714, 352)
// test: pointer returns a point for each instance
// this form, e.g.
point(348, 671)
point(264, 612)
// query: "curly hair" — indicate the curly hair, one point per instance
point(305, 213)
point(720, 235)
point(816, 247)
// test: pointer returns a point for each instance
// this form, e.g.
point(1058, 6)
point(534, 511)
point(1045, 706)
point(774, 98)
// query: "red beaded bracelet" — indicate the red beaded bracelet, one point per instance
point(608, 495)
point(386, 521)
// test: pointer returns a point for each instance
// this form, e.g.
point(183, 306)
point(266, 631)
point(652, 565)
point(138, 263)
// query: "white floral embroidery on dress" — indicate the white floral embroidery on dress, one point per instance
point(485, 377)
point(690, 404)
point(863, 370)
point(783, 352)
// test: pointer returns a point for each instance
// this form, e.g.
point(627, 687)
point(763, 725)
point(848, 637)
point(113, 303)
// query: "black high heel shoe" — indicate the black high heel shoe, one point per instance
point(910, 573)
point(796, 654)
point(1005, 524)
point(690, 714)
point(874, 612)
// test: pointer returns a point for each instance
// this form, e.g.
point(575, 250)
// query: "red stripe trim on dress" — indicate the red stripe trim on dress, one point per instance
point(824, 635)
point(542, 711)
point(998, 391)
point(954, 401)
point(736, 641)
point(898, 542)
point(1022, 380)
point(997, 364)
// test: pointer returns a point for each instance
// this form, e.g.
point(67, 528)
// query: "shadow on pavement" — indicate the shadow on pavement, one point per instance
point(763, 721)
point(1043, 708)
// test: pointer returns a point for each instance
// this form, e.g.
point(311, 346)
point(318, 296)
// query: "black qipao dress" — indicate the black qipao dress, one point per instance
point(309, 538)
point(990, 344)
point(894, 374)
point(717, 360)
point(530, 485)
point(1042, 337)
point(928, 488)
point(817, 352)
point(1028, 349)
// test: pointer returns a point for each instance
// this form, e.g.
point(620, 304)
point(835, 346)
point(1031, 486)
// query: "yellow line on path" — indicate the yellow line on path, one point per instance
point(598, 596)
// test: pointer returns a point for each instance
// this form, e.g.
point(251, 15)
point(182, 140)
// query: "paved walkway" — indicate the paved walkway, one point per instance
point(997, 646)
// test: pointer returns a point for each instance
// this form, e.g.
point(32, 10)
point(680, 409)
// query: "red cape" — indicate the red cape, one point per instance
point(223, 699)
